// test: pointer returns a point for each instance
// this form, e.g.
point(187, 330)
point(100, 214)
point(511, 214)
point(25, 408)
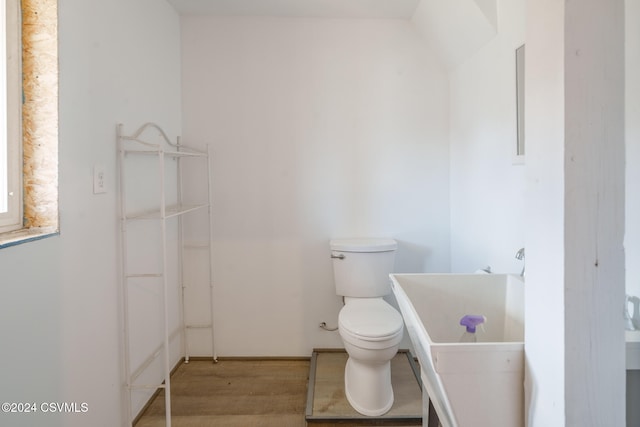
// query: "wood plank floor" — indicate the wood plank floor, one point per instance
point(234, 393)
point(330, 402)
point(239, 393)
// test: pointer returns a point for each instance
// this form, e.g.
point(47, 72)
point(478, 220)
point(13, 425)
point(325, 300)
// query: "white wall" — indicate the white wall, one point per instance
point(487, 189)
point(632, 122)
point(544, 293)
point(119, 62)
point(594, 213)
point(320, 129)
point(575, 202)
point(632, 189)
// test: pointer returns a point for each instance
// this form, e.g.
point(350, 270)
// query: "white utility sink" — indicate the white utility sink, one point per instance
point(470, 384)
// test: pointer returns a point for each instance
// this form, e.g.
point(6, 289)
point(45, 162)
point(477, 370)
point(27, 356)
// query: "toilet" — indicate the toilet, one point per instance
point(370, 328)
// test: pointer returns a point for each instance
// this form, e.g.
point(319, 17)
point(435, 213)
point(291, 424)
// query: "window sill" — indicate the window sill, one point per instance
point(25, 235)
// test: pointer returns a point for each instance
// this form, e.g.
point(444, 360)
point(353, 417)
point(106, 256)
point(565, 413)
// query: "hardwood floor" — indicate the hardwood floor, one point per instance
point(234, 393)
point(330, 406)
point(247, 393)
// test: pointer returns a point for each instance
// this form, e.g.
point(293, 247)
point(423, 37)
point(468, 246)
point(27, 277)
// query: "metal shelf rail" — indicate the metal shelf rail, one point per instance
point(138, 144)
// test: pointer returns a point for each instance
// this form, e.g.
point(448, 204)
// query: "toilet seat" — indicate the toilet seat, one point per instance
point(370, 320)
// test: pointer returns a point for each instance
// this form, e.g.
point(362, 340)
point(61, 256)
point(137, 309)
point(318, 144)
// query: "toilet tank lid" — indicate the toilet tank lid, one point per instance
point(363, 245)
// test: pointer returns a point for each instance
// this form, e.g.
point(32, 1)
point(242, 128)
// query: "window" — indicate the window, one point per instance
point(29, 120)
point(10, 119)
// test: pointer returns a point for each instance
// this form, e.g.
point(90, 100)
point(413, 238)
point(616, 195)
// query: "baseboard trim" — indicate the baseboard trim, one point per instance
point(257, 358)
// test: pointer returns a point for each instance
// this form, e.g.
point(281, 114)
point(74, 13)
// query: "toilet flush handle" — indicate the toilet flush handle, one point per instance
point(339, 256)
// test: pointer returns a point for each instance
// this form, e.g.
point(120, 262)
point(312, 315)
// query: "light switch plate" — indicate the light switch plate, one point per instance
point(99, 184)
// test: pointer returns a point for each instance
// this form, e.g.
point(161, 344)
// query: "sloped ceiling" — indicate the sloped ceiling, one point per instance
point(490, 10)
point(454, 29)
point(394, 9)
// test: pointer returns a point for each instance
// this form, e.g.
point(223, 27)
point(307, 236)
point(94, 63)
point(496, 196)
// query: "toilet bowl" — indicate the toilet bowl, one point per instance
point(370, 328)
point(371, 331)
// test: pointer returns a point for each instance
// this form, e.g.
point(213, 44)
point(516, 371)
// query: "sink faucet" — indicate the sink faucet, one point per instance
point(520, 256)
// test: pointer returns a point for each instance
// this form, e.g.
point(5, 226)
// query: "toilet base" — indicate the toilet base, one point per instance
point(368, 386)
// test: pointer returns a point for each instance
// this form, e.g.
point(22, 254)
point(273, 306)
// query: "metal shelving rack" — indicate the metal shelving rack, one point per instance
point(138, 144)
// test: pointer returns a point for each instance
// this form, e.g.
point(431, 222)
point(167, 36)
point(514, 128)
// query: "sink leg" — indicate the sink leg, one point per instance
point(429, 415)
point(426, 402)
point(433, 417)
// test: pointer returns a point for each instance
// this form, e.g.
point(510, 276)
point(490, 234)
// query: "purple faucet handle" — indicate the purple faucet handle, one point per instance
point(471, 321)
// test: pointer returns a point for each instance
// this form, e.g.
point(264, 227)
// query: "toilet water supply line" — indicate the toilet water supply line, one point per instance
point(323, 325)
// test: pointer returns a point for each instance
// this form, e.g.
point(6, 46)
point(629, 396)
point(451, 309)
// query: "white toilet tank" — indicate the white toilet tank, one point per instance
point(361, 267)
